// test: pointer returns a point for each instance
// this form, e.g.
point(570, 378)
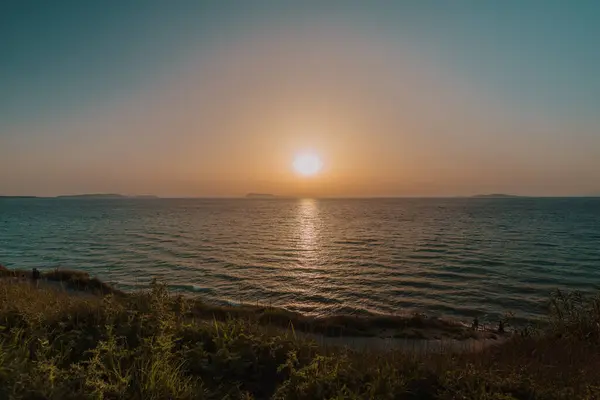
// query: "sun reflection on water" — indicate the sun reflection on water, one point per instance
point(308, 228)
point(307, 273)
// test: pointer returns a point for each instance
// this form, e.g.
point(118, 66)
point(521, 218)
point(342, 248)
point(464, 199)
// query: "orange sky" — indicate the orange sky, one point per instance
point(387, 115)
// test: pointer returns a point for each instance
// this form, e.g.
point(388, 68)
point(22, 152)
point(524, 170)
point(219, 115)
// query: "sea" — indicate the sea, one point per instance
point(454, 257)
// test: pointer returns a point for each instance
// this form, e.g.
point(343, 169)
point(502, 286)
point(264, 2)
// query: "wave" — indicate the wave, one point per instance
point(457, 257)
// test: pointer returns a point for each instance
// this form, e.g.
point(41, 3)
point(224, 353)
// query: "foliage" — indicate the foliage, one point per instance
point(60, 345)
point(575, 316)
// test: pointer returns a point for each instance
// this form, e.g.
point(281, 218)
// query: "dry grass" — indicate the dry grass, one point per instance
point(151, 345)
point(410, 327)
point(71, 279)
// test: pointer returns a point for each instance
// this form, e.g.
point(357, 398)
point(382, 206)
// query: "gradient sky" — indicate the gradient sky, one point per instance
point(192, 98)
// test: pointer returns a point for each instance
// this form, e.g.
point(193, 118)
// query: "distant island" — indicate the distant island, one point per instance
point(495, 196)
point(260, 196)
point(105, 196)
point(92, 196)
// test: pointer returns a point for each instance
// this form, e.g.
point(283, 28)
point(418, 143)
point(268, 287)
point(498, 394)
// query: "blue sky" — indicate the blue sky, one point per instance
point(525, 73)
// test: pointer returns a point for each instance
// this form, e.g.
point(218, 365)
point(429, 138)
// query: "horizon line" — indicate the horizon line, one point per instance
point(116, 196)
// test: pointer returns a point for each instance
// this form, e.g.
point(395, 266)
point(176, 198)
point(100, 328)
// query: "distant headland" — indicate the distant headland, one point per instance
point(495, 196)
point(91, 196)
point(105, 196)
point(260, 196)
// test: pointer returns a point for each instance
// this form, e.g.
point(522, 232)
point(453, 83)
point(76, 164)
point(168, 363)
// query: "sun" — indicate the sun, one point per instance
point(307, 164)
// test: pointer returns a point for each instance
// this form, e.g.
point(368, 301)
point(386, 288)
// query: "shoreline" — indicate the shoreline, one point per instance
point(170, 346)
point(380, 330)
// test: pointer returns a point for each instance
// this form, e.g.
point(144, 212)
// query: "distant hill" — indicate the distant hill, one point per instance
point(260, 196)
point(18, 197)
point(92, 196)
point(106, 196)
point(495, 196)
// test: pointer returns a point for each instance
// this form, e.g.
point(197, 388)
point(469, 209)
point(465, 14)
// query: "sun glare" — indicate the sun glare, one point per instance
point(307, 164)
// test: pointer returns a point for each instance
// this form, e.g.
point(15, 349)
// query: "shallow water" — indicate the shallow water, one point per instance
point(452, 257)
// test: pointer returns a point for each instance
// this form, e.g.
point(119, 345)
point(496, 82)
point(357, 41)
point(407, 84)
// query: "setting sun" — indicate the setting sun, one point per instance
point(307, 164)
point(359, 173)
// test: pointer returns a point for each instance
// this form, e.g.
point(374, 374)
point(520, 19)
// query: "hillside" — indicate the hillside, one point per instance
point(260, 196)
point(57, 344)
point(495, 196)
point(92, 196)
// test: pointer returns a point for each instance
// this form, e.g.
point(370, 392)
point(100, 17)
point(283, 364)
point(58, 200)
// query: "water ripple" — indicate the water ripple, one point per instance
point(460, 257)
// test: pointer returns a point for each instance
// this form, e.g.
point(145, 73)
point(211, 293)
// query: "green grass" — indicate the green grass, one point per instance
point(152, 345)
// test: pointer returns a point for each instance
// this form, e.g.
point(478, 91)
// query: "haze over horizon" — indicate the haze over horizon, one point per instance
point(277, 196)
point(198, 99)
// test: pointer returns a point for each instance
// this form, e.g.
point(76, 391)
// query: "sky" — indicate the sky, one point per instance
point(216, 98)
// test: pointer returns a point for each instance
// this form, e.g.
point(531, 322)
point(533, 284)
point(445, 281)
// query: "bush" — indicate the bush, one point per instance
point(575, 316)
point(151, 345)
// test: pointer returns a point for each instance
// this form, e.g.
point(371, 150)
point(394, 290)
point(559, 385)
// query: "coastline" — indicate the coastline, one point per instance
point(84, 337)
point(381, 331)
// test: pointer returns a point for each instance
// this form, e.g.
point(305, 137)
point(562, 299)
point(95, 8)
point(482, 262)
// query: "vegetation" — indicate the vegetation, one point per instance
point(151, 345)
point(415, 326)
point(70, 279)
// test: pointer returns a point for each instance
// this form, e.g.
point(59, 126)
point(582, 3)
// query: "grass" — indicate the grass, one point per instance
point(415, 326)
point(408, 327)
point(152, 345)
point(71, 279)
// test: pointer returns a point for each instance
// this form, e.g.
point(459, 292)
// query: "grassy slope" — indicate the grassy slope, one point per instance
point(409, 327)
point(415, 326)
point(54, 345)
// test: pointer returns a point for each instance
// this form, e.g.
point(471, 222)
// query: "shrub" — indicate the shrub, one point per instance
point(151, 345)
